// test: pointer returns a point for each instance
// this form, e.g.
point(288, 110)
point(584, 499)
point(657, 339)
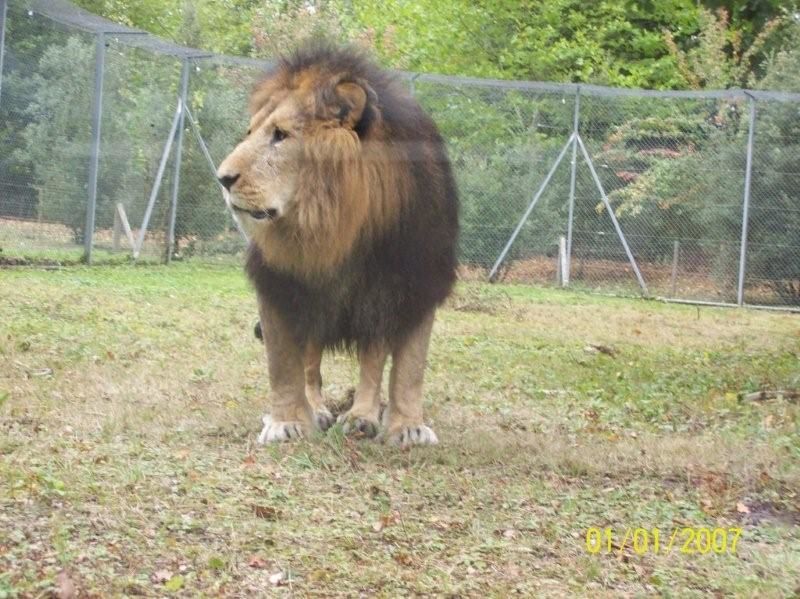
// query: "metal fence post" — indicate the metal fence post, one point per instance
point(524, 219)
point(176, 179)
point(610, 209)
point(213, 168)
point(162, 165)
point(3, 10)
point(573, 173)
point(94, 156)
point(746, 202)
point(412, 84)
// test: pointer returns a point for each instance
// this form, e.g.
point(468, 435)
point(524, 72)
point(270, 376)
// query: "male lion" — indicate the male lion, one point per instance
point(344, 186)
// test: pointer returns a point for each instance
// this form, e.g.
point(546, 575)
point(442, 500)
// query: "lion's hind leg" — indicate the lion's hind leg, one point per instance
point(312, 360)
point(364, 415)
point(403, 417)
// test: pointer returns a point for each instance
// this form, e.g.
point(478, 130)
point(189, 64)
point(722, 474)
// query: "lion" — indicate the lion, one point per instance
point(344, 187)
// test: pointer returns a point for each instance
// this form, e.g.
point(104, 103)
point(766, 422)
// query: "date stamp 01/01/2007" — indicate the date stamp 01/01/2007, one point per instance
point(689, 540)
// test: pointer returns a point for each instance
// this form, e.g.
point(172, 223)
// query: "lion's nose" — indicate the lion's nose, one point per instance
point(227, 181)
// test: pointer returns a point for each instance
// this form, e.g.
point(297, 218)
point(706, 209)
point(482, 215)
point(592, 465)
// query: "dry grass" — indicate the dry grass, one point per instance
point(131, 398)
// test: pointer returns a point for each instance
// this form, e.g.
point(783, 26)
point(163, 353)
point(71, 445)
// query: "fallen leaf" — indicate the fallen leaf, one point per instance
point(603, 349)
point(256, 561)
point(65, 588)
point(510, 533)
point(265, 511)
point(160, 576)
point(386, 520)
point(707, 505)
point(250, 460)
point(742, 508)
point(277, 578)
point(403, 559)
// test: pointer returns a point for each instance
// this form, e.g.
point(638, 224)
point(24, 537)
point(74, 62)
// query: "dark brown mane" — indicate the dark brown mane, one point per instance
point(374, 249)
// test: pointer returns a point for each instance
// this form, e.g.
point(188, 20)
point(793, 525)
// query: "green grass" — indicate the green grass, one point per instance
point(130, 399)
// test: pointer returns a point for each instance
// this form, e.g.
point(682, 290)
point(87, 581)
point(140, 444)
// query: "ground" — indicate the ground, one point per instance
point(130, 399)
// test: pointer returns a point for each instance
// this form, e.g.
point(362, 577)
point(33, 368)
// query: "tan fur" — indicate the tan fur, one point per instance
point(342, 187)
point(339, 159)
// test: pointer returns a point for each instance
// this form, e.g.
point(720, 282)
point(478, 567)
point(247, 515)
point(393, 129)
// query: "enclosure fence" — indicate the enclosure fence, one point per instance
point(110, 137)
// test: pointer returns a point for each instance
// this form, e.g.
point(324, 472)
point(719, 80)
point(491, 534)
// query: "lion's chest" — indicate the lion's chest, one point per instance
point(355, 308)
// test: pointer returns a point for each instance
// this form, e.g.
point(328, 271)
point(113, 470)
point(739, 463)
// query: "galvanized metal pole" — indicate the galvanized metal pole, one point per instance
point(537, 195)
point(213, 167)
point(176, 179)
point(746, 204)
point(3, 10)
point(573, 173)
point(412, 84)
point(157, 183)
point(676, 250)
point(94, 156)
point(607, 204)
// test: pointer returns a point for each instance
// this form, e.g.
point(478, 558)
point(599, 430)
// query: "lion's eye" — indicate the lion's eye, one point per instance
point(278, 135)
point(249, 131)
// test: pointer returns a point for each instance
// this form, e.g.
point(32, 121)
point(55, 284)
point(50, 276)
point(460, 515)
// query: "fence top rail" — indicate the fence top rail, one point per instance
point(66, 13)
point(600, 90)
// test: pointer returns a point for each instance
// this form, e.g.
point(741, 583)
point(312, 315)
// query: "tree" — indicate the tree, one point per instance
point(719, 58)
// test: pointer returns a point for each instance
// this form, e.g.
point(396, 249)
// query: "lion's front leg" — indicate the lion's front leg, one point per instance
point(291, 415)
point(364, 415)
point(403, 417)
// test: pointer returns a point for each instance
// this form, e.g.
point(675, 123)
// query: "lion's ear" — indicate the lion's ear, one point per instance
point(351, 103)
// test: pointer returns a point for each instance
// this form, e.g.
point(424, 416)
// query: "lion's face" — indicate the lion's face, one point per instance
point(315, 172)
point(261, 174)
point(299, 126)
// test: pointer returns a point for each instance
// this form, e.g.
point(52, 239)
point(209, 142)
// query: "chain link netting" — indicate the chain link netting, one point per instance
point(625, 191)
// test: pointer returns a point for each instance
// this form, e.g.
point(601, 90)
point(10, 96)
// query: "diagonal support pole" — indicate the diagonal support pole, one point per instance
point(176, 178)
point(212, 166)
point(607, 204)
point(539, 192)
point(159, 176)
point(748, 177)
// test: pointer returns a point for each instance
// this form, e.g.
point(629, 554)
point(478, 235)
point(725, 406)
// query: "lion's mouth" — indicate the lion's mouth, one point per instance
point(268, 214)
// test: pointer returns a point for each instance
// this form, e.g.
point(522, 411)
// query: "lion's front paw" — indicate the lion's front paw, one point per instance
point(323, 419)
point(412, 435)
point(275, 431)
point(352, 425)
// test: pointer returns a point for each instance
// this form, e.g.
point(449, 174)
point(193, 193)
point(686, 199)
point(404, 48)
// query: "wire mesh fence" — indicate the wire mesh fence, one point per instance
point(110, 137)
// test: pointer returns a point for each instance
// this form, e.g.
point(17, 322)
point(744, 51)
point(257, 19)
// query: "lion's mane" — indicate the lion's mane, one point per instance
point(372, 249)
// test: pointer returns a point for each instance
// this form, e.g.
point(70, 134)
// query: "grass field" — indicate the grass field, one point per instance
point(130, 399)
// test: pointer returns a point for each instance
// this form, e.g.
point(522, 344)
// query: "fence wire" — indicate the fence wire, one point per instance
point(697, 211)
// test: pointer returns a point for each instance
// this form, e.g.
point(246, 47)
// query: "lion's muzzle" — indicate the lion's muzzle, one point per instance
point(268, 214)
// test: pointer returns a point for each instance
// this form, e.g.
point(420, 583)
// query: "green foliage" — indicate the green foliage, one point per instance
point(719, 59)
point(56, 138)
point(668, 171)
point(775, 222)
point(501, 143)
point(614, 42)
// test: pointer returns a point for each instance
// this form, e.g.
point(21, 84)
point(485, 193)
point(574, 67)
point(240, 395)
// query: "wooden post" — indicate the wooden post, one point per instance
point(122, 218)
point(676, 248)
point(563, 265)
point(117, 230)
